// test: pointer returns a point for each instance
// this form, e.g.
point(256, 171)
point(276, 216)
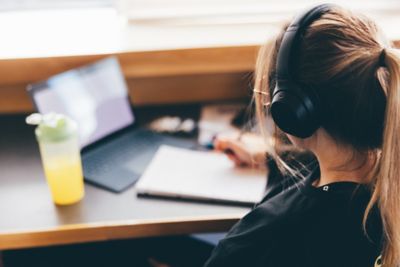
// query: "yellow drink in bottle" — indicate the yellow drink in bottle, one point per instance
point(65, 180)
point(59, 149)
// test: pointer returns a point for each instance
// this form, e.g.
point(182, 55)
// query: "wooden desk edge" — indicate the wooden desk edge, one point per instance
point(138, 64)
point(81, 233)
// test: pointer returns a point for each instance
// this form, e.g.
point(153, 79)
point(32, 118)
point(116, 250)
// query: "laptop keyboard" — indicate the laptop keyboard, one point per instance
point(104, 157)
point(119, 162)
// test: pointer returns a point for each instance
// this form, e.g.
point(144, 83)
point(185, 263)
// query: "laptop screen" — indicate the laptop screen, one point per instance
point(95, 96)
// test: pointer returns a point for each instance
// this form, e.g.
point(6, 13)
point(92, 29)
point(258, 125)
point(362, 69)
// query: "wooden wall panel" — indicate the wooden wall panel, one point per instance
point(189, 88)
point(137, 64)
point(153, 90)
point(154, 77)
point(14, 99)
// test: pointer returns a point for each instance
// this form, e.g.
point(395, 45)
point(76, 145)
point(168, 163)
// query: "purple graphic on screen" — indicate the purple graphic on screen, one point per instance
point(95, 96)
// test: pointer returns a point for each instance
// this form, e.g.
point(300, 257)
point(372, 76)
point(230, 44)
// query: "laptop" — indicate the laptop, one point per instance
point(115, 151)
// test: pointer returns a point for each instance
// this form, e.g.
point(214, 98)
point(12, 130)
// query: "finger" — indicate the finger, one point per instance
point(239, 149)
point(224, 144)
point(236, 148)
point(219, 144)
point(233, 158)
point(237, 161)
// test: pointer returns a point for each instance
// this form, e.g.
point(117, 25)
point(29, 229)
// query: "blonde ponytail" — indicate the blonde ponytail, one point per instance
point(386, 190)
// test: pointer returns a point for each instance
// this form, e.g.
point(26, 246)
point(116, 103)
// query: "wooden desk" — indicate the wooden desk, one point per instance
point(28, 218)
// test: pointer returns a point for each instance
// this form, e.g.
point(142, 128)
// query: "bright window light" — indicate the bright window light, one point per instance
point(12, 5)
point(236, 11)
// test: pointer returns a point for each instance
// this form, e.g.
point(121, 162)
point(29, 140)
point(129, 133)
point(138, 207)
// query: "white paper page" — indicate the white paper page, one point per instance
point(203, 175)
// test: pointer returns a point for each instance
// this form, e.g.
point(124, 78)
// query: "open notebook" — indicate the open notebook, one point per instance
point(199, 175)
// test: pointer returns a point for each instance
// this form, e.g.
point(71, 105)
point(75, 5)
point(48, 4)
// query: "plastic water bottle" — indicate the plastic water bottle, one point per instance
point(58, 140)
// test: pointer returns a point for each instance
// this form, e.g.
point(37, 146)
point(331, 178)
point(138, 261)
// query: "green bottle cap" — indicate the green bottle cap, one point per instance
point(52, 127)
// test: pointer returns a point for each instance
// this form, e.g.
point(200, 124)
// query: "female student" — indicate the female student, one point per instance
point(331, 83)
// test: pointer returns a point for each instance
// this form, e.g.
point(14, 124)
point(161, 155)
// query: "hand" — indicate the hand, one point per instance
point(249, 151)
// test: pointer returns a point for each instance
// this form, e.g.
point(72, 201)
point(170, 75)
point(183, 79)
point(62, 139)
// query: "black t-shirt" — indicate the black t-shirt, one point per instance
point(297, 224)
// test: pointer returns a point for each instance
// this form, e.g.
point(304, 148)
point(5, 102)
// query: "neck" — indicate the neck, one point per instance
point(340, 164)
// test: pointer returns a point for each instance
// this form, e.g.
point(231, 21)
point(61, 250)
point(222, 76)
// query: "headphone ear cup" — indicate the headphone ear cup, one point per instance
point(291, 115)
point(294, 110)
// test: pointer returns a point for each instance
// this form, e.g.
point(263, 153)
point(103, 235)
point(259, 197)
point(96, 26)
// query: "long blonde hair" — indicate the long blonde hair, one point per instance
point(356, 73)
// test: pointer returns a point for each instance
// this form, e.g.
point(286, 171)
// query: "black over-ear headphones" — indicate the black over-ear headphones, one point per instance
point(295, 110)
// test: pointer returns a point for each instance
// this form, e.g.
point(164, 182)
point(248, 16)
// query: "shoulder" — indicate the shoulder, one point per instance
point(260, 232)
point(283, 199)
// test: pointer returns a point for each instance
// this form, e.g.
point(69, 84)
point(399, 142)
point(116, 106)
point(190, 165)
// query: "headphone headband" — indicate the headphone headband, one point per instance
point(292, 38)
point(293, 109)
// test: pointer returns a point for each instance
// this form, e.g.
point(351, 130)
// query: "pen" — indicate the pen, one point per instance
point(227, 151)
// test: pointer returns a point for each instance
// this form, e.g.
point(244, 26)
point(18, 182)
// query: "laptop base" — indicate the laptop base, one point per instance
point(118, 163)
